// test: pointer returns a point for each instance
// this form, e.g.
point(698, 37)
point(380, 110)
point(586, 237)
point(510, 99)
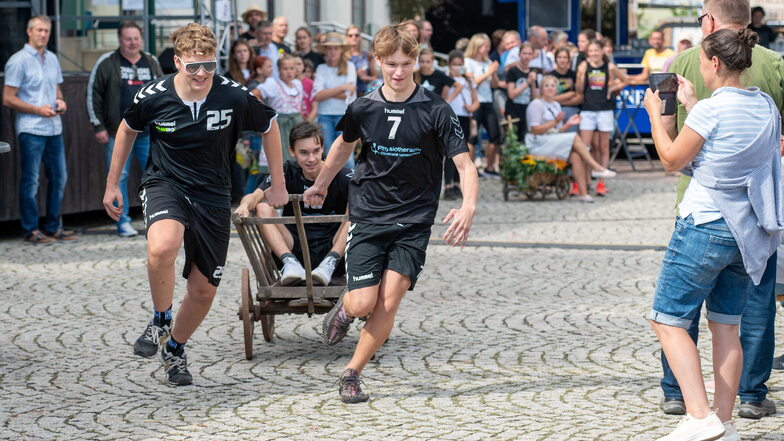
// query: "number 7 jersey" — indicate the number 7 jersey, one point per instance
point(398, 174)
point(192, 144)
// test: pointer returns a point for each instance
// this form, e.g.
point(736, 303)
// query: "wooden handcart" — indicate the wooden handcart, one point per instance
point(270, 297)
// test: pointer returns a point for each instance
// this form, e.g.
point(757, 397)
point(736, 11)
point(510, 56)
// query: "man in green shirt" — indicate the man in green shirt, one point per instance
point(757, 324)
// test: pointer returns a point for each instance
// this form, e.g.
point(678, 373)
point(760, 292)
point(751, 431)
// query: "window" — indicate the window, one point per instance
point(358, 13)
point(312, 10)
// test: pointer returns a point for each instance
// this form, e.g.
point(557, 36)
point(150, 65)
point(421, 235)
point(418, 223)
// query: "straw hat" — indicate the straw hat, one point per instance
point(251, 10)
point(332, 39)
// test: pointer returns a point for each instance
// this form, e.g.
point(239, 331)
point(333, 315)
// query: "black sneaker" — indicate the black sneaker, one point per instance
point(176, 367)
point(150, 341)
point(350, 388)
point(756, 409)
point(336, 323)
point(673, 406)
point(778, 363)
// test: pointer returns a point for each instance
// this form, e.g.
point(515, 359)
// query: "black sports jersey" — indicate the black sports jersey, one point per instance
point(335, 202)
point(436, 81)
point(193, 147)
point(398, 174)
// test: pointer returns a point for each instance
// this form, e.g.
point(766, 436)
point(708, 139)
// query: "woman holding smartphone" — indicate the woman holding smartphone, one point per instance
point(730, 223)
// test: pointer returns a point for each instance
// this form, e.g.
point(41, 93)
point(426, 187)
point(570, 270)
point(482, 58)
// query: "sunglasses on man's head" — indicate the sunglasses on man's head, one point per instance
point(192, 68)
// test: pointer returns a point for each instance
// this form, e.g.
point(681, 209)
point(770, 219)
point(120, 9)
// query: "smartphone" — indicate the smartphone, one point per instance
point(667, 85)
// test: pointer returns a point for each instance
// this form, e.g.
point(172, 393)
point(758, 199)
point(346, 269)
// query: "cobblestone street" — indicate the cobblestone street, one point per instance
point(536, 331)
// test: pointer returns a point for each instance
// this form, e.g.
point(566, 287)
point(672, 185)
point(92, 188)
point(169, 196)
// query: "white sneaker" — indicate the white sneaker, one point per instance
point(585, 199)
point(731, 433)
point(292, 272)
point(692, 429)
point(322, 275)
point(606, 173)
point(126, 230)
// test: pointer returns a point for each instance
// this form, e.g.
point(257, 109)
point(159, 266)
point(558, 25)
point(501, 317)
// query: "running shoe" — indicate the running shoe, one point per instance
point(601, 189)
point(292, 273)
point(322, 275)
point(673, 406)
point(150, 341)
point(492, 174)
point(606, 173)
point(587, 199)
point(125, 229)
point(350, 388)
point(336, 323)
point(176, 367)
point(690, 428)
point(575, 191)
point(778, 363)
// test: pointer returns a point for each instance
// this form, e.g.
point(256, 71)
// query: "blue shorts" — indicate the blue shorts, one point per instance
point(702, 264)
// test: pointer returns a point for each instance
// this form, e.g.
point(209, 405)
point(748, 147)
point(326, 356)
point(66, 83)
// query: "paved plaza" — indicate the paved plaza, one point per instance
point(535, 332)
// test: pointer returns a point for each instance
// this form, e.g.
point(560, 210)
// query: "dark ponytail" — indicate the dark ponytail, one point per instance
point(733, 48)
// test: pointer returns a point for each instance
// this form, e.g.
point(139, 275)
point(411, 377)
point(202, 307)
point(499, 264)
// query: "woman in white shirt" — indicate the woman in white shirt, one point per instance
point(334, 88)
point(482, 72)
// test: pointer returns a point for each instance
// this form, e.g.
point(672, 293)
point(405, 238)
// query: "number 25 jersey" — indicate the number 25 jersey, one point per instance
point(398, 174)
point(192, 145)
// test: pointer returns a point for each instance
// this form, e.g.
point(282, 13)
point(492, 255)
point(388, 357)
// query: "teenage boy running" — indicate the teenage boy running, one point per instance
point(326, 242)
point(194, 119)
point(406, 131)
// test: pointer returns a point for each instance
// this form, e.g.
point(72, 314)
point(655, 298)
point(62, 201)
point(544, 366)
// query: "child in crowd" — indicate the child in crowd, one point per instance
point(286, 96)
point(434, 80)
point(521, 88)
point(464, 103)
point(597, 81)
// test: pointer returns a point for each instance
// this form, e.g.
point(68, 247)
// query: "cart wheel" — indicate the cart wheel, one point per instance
point(562, 186)
point(247, 314)
point(506, 191)
point(267, 326)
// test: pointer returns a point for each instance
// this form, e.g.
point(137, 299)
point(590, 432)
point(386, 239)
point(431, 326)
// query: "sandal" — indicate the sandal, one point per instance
point(63, 235)
point(37, 237)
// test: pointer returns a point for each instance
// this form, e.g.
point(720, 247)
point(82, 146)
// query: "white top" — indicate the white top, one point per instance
point(540, 111)
point(544, 61)
point(477, 69)
point(461, 100)
point(327, 77)
point(728, 122)
point(284, 99)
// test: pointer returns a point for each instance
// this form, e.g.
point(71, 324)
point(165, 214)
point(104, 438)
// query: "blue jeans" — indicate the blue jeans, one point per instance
point(141, 151)
point(51, 150)
point(328, 123)
point(756, 339)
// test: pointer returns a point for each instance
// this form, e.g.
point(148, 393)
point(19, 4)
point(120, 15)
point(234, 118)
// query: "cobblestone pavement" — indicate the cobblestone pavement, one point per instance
point(538, 333)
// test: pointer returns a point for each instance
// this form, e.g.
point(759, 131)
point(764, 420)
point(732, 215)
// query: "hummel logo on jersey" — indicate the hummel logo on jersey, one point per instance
point(365, 277)
point(395, 111)
point(458, 130)
point(165, 126)
point(152, 89)
point(158, 213)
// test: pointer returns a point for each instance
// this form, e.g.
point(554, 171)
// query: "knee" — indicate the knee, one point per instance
point(159, 251)
point(360, 305)
point(202, 292)
point(723, 328)
point(265, 210)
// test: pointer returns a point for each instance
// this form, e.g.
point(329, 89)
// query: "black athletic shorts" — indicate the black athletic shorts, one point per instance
point(373, 248)
point(207, 227)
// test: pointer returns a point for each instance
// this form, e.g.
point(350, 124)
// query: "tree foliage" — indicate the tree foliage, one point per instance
point(404, 9)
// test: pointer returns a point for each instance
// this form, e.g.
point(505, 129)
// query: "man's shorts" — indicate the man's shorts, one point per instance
point(207, 227)
point(373, 248)
point(702, 264)
point(601, 120)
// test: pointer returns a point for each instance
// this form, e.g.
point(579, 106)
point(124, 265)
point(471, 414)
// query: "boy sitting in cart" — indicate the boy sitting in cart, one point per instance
point(327, 241)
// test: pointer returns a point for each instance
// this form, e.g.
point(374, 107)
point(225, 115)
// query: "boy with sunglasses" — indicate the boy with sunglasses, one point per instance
point(194, 118)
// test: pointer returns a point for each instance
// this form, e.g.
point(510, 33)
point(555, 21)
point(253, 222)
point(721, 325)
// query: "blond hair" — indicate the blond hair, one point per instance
point(392, 38)
point(729, 12)
point(194, 39)
point(477, 40)
point(40, 18)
